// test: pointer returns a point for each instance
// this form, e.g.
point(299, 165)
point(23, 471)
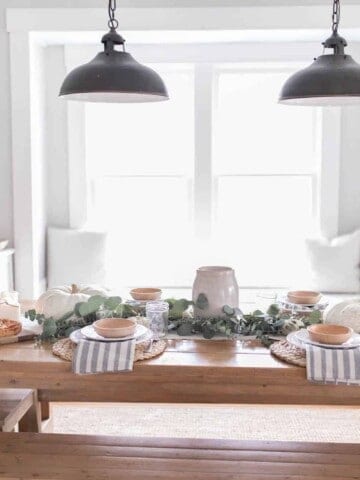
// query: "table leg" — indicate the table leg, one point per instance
point(31, 421)
point(45, 410)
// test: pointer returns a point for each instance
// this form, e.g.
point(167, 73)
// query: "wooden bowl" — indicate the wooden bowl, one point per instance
point(329, 334)
point(146, 294)
point(115, 327)
point(304, 297)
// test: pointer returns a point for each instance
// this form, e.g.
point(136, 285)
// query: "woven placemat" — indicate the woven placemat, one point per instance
point(289, 353)
point(64, 349)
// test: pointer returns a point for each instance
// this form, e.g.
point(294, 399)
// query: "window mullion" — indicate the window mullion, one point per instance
point(203, 150)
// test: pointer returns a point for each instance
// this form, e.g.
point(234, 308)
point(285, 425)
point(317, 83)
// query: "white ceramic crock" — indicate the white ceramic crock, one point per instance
point(220, 287)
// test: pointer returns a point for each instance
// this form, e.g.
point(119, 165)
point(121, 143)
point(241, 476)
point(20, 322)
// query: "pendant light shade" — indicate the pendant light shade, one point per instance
point(113, 76)
point(117, 77)
point(331, 80)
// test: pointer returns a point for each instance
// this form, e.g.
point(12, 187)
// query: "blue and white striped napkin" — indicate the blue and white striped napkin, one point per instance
point(333, 365)
point(99, 357)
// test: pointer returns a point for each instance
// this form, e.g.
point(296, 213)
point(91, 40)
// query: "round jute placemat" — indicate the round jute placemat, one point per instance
point(64, 349)
point(289, 353)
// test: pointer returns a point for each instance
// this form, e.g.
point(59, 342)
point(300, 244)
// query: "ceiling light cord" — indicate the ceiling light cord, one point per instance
point(113, 23)
point(335, 16)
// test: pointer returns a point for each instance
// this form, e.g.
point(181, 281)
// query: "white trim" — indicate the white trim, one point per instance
point(25, 269)
point(203, 98)
point(27, 163)
point(237, 18)
point(330, 172)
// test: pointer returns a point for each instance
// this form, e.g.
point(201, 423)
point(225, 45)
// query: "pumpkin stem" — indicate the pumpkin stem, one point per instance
point(74, 288)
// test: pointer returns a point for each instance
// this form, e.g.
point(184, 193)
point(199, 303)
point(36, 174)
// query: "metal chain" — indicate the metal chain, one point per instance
point(113, 22)
point(335, 16)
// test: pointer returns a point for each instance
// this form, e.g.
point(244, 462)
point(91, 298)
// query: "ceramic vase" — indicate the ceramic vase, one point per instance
point(213, 288)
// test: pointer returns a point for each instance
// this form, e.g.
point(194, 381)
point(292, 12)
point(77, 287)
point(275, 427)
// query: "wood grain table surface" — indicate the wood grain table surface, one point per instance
point(189, 371)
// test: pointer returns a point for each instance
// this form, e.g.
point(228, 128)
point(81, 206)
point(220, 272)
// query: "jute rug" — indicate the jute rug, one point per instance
point(204, 421)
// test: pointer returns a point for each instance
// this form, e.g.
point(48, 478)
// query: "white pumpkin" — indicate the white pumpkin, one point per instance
point(344, 313)
point(58, 301)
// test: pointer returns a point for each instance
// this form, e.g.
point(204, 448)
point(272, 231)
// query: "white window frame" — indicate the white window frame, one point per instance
point(29, 35)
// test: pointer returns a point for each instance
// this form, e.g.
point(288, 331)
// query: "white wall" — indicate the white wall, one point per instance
point(349, 188)
point(57, 211)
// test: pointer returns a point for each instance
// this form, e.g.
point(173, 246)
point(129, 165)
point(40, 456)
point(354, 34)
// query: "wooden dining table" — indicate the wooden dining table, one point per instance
point(189, 371)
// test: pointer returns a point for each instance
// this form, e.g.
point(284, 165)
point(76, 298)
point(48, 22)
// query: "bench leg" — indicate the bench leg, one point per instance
point(31, 421)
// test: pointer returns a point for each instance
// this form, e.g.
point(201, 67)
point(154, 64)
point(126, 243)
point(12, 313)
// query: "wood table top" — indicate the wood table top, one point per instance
point(184, 352)
point(189, 371)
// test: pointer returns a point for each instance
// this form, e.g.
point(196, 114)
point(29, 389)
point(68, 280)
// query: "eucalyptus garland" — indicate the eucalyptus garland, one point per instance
point(232, 323)
point(235, 323)
point(84, 313)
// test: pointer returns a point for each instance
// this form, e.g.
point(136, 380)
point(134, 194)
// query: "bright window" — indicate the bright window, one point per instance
point(265, 169)
point(257, 185)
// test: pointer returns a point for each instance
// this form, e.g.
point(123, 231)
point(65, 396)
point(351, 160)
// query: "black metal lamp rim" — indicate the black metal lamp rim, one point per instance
point(338, 95)
point(75, 92)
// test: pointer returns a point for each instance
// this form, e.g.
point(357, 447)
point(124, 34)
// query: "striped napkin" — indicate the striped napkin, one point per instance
point(98, 357)
point(333, 365)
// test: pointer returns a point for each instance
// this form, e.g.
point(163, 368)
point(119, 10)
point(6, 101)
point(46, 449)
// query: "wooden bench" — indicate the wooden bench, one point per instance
point(91, 457)
point(19, 407)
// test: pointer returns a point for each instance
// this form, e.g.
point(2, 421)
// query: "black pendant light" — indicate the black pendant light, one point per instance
point(113, 76)
point(331, 80)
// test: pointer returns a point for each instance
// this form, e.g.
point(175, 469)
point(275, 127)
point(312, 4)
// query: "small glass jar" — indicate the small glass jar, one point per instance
point(157, 313)
point(264, 299)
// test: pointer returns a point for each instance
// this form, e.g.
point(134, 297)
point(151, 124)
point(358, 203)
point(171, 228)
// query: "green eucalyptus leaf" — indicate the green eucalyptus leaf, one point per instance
point(77, 309)
point(118, 312)
point(96, 302)
point(177, 307)
point(273, 310)
point(49, 328)
point(208, 333)
point(31, 314)
point(112, 302)
point(128, 311)
point(185, 329)
point(314, 317)
point(88, 308)
point(202, 302)
point(171, 302)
